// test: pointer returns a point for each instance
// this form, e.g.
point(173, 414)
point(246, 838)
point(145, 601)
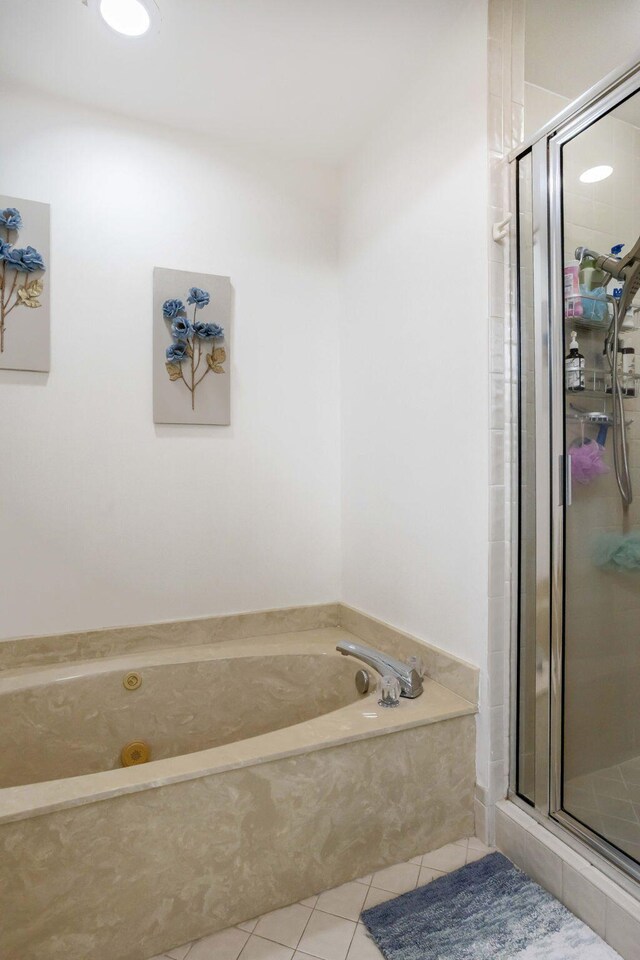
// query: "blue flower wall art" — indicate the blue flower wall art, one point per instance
point(188, 356)
point(21, 269)
point(192, 317)
point(24, 285)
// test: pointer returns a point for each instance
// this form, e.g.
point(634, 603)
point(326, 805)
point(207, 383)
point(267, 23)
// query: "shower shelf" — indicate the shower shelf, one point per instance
point(594, 384)
point(571, 304)
point(596, 418)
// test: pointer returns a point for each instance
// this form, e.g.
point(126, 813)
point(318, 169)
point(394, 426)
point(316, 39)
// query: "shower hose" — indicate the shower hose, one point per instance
point(620, 452)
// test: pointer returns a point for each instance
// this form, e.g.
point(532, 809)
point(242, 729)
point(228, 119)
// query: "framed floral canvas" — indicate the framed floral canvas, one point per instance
point(191, 337)
point(24, 285)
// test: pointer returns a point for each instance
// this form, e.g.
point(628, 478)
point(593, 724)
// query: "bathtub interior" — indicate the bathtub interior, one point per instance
point(71, 720)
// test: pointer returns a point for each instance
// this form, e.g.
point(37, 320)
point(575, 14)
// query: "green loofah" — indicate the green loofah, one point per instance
point(618, 551)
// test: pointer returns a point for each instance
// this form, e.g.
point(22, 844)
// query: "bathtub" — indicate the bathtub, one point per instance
point(269, 779)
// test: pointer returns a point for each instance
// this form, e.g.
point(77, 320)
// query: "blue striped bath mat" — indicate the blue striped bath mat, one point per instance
point(488, 910)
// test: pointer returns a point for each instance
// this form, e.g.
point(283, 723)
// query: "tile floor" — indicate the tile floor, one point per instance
point(327, 927)
point(608, 801)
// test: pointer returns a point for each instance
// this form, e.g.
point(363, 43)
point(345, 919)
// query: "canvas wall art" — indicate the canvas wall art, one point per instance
point(24, 285)
point(191, 338)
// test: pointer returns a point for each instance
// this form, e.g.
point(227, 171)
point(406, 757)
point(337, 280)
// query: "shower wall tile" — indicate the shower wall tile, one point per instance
point(497, 739)
point(496, 570)
point(481, 818)
point(497, 401)
point(496, 671)
point(496, 345)
point(495, 123)
point(498, 777)
point(598, 900)
point(495, 67)
point(496, 250)
point(496, 624)
point(517, 123)
point(496, 453)
point(495, 20)
point(496, 187)
point(517, 43)
point(505, 52)
point(496, 512)
point(622, 931)
point(543, 864)
point(496, 289)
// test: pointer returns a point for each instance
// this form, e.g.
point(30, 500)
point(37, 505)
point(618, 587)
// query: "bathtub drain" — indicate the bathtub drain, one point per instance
point(135, 752)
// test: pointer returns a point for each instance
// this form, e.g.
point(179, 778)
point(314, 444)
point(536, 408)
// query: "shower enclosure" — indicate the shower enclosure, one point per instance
point(576, 727)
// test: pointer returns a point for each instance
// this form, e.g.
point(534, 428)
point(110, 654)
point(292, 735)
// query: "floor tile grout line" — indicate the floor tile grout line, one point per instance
point(312, 911)
point(191, 946)
point(368, 884)
point(351, 941)
point(243, 946)
point(338, 916)
point(262, 936)
point(326, 914)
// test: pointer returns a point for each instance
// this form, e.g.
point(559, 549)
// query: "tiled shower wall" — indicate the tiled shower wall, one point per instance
point(505, 119)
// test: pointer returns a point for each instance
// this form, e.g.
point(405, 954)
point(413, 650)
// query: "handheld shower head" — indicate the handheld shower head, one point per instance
point(626, 269)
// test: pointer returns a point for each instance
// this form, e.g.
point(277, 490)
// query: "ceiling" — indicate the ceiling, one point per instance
point(306, 77)
point(571, 44)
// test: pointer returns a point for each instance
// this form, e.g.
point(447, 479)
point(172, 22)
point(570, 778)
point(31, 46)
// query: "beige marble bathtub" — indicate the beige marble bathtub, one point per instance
point(65, 721)
point(273, 780)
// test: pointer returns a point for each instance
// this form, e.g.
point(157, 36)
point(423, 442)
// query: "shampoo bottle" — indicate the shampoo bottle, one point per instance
point(574, 366)
point(572, 302)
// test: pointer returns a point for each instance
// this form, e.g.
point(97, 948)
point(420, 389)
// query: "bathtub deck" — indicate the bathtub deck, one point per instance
point(327, 927)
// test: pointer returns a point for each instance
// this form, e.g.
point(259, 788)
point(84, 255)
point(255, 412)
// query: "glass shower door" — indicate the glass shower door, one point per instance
point(577, 673)
point(601, 643)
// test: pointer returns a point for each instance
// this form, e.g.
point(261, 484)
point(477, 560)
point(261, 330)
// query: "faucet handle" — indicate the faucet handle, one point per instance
point(389, 689)
point(416, 663)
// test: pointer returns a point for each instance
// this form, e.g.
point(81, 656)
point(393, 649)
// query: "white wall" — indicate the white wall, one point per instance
point(415, 351)
point(107, 519)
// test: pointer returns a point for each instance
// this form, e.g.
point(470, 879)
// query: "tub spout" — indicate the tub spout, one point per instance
point(410, 680)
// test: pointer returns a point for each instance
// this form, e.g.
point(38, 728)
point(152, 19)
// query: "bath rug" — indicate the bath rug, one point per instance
point(488, 910)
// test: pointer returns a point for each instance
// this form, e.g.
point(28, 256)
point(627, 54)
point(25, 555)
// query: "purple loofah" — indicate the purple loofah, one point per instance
point(587, 462)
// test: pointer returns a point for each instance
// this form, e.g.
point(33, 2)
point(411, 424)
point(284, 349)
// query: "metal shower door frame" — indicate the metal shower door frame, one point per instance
point(545, 149)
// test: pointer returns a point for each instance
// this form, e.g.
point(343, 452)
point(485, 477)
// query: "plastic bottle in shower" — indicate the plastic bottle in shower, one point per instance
point(574, 366)
point(572, 301)
point(591, 277)
point(614, 287)
point(628, 371)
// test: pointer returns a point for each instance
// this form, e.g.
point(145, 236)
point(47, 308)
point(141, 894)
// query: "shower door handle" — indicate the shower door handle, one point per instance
point(565, 478)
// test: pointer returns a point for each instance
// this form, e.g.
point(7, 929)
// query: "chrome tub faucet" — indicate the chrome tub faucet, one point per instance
point(409, 679)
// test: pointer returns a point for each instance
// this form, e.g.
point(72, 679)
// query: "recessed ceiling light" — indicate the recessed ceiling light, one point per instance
point(129, 18)
point(593, 174)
